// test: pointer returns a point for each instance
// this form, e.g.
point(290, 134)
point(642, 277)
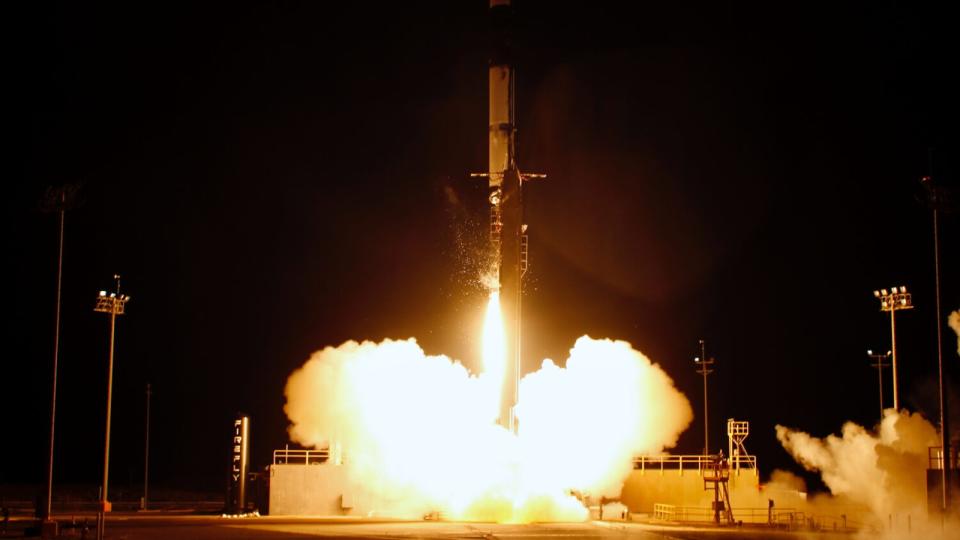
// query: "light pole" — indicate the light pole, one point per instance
point(113, 304)
point(59, 200)
point(704, 369)
point(146, 452)
point(937, 198)
point(893, 301)
point(60, 203)
point(879, 364)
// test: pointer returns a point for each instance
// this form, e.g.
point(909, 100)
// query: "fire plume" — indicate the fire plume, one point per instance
point(419, 432)
point(494, 352)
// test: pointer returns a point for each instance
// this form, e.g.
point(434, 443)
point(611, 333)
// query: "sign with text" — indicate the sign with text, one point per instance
point(239, 449)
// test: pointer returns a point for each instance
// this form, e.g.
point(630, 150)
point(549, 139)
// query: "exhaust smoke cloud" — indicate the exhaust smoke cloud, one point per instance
point(884, 470)
point(954, 322)
point(418, 431)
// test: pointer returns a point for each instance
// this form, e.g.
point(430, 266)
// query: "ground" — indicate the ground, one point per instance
point(154, 526)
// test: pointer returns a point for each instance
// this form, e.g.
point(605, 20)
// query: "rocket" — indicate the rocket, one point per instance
point(508, 238)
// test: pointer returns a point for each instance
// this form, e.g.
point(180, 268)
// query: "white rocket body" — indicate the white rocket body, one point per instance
point(506, 202)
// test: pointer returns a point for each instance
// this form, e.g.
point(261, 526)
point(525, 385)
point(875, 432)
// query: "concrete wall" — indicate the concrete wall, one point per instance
point(312, 490)
point(643, 489)
point(323, 490)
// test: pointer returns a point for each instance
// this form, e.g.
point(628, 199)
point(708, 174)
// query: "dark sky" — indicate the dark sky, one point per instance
point(273, 178)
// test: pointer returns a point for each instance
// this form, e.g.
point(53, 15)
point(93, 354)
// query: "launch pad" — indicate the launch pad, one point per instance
point(668, 488)
point(515, 475)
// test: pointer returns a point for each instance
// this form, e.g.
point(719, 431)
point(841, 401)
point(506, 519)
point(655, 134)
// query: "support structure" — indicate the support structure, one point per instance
point(717, 478)
point(737, 432)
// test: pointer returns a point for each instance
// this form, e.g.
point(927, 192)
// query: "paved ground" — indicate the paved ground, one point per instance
point(145, 526)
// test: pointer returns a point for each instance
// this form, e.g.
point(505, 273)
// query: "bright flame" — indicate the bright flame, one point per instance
point(418, 432)
point(494, 352)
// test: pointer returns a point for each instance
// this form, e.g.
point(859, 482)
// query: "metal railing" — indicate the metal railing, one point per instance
point(692, 514)
point(664, 512)
point(300, 457)
point(783, 518)
point(692, 462)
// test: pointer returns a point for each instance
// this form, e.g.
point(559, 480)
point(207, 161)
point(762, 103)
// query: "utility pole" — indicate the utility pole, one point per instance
point(57, 200)
point(879, 364)
point(704, 369)
point(61, 203)
point(937, 198)
point(146, 453)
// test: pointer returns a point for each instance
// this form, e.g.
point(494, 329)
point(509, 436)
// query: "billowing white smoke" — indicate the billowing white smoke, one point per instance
point(955, 324)
point(418, 433)
point(580, 425)
point(884, 470)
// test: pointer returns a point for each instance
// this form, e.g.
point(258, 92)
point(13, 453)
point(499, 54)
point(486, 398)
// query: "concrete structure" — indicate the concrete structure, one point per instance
point(307, 483)
point(308, 490)
point(679, 480)
point(313, 483)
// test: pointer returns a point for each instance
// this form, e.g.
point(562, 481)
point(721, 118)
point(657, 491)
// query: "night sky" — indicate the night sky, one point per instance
point(273, 178)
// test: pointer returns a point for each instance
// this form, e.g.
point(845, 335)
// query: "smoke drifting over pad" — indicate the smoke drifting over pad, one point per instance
point(954, 322)
point(418, 432)
point(883, 470)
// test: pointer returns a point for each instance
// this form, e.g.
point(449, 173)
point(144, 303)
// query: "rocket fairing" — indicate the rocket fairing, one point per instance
point(501, 78)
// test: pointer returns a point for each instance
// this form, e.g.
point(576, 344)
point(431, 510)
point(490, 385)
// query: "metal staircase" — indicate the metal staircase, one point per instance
point(717, 478)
